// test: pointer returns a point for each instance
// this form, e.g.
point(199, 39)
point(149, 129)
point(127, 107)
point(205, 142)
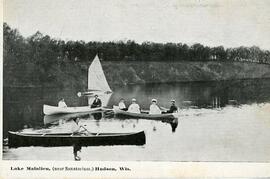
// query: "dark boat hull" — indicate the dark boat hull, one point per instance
point(169, 117)
point(16, 139)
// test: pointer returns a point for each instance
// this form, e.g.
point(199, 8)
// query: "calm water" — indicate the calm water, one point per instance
point(219, 121)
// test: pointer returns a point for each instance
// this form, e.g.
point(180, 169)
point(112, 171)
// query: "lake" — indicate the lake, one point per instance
point(218, 121)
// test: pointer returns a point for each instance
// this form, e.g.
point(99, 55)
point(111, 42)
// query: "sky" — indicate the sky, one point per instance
point(230, 23)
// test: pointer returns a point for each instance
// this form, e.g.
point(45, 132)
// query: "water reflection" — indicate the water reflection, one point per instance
point(56, 118)
point(23, 106)
point(97, 116)
point(174, 124)
point(76, 148)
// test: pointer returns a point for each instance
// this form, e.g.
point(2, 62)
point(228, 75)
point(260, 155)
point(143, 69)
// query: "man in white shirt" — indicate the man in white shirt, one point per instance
point(122, 105)
point(62, 103)
point(134, 107)
point(154, 109)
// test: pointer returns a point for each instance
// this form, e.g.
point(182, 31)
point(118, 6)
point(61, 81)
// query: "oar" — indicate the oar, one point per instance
point(164, 109)
point(86, 130)
point(105, 108)
point(144, 111)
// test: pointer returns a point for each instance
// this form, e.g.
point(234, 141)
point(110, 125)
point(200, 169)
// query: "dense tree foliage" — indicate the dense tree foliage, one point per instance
point(42, 58)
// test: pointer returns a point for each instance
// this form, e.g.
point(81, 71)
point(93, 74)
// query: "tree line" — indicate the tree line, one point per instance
point(40, 54)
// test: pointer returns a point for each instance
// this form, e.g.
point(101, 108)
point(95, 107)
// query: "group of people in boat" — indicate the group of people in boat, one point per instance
point(134, 107)
point(153, 109)
point(96, 103)
point(78, 129)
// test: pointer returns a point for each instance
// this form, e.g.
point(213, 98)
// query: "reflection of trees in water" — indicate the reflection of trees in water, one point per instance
point(249, 91)
point(221, 93)
point(24, 106)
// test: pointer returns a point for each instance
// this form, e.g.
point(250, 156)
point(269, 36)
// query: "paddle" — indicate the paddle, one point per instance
point(88, 130)
point(164, 109)
point(105, 108)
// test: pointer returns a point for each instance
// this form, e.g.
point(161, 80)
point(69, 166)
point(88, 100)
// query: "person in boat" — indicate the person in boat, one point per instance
point(76, 130)
point(77, 127)
point(154, 109)
point(173, 108)
point(96, 103)
point(62, 103)
point(134, 107)
point(122, 105)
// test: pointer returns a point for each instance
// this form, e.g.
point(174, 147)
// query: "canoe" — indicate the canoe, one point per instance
point(49, 110)
point(144, 115)
point(19, 139)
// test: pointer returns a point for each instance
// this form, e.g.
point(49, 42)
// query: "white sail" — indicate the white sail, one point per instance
point(96, 78)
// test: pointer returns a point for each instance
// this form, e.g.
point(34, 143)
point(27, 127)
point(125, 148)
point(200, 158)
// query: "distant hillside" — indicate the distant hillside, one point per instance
point(156, 72)
point(40, 60)
point(124, 73)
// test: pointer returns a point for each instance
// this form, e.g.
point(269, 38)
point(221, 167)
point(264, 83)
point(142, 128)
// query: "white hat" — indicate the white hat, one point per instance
point(133, 99)
point(154, 100)
point(172, 100)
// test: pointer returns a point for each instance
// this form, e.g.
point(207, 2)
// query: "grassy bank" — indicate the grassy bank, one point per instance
point(153, 72)
point(130, 72)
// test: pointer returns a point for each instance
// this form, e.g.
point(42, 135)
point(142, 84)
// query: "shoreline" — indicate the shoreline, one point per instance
point(151, 83)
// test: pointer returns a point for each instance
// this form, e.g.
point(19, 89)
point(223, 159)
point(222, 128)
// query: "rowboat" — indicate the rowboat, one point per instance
point(49, 110)
point(168, 117)
point(97, 82)
point(19, 139)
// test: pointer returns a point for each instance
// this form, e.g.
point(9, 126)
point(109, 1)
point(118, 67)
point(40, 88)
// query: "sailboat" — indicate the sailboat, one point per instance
point(97, 82)
point(80, 112)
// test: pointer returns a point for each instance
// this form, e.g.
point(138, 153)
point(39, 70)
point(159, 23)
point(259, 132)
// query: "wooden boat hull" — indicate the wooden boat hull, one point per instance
point(17, 139)
point(167, 117)
point(50, 110)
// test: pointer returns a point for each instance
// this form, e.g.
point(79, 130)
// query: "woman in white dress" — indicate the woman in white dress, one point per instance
point(154, 109)
point(134, 107)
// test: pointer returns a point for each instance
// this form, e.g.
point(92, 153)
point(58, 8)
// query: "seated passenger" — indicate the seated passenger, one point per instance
point(62, 103)
point(122, 105)
point(154, 109)
point(134, 107)
point(76, 127)
point(96, 103)
point(173, 108)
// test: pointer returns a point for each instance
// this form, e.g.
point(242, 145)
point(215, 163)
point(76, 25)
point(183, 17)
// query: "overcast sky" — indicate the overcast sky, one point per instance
point(229, 23)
